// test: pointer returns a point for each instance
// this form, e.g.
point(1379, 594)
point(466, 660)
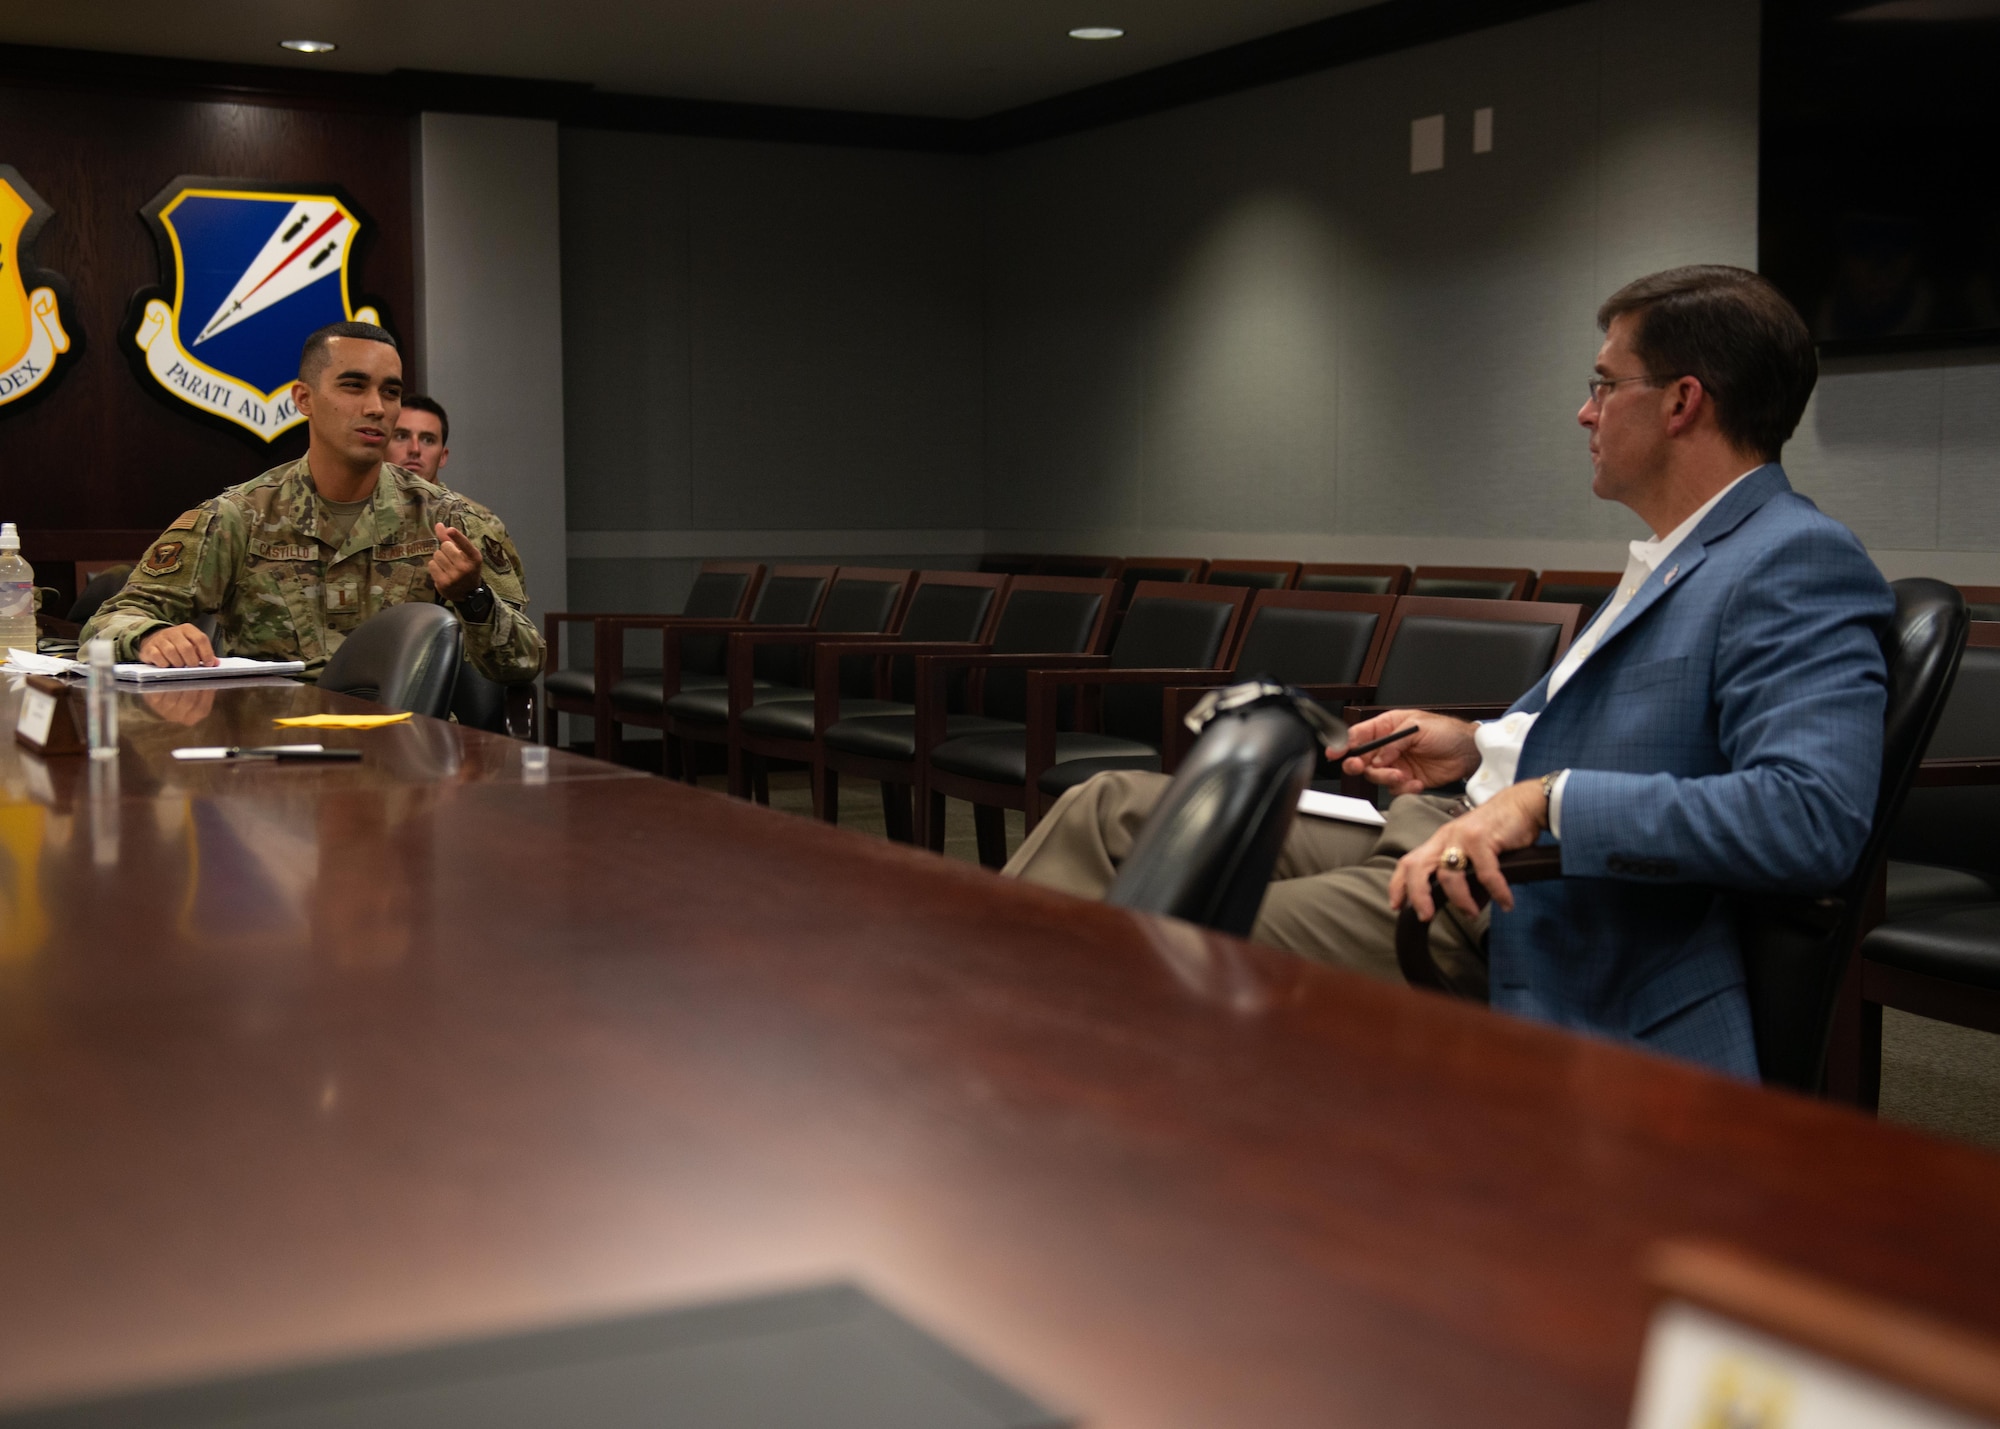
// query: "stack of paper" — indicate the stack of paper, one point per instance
point(231, 666)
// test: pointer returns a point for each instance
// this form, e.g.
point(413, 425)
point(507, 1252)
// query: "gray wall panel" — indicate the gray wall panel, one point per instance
point(1867, 452)
point(1969, 472)
point(492, 300)
point(836, 318)
point(767, 337)
point(625, 331)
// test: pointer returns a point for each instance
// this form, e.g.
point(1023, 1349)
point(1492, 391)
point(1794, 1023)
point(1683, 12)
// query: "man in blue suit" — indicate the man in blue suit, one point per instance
point(1716, 728)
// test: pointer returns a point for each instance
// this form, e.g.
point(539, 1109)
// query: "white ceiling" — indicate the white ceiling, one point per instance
point(956, 58)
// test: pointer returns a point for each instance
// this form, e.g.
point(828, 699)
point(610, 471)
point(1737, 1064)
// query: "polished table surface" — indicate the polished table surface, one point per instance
point(301, 1061)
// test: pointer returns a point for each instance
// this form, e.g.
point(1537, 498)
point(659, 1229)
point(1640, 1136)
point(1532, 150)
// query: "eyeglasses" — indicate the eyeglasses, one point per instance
point(1599, 384)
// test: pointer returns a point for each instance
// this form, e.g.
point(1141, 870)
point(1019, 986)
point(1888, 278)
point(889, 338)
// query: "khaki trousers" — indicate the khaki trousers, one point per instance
point(1329, 896)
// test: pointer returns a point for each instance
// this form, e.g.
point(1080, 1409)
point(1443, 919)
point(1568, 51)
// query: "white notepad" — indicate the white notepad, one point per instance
point(1339, 806)
point(231, 666)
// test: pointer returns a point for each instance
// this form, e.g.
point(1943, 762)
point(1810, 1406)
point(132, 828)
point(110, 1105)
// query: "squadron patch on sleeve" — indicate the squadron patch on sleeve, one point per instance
point(496, 555)
point(163, 560)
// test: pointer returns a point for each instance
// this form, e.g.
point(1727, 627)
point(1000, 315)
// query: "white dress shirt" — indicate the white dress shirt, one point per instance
point(1500, 741)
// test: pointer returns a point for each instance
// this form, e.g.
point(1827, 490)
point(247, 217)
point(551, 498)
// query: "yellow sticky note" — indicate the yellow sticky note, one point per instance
point(339, 721)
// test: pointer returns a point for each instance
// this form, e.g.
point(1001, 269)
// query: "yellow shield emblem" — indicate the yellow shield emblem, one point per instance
point(32, 337)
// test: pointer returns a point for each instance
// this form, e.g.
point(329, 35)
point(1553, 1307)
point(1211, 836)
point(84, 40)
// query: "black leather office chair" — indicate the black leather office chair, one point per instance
point(102, 587)
point(1796, 949)
point(1207, 852)
point(480, 703)
point(407, 658)
point(1936, 952)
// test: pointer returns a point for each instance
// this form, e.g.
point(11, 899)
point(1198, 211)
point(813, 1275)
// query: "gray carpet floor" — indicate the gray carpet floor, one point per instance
point(1944, 1079)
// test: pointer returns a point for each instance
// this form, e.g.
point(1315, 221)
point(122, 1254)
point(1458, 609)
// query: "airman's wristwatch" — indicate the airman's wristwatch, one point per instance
point(476, 605)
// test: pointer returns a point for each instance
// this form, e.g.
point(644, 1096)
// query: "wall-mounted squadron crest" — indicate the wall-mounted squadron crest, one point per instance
point(34, 344)
point(248, 271)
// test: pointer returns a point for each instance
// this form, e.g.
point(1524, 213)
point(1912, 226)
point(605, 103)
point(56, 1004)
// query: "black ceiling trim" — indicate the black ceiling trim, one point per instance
point(1323, 44)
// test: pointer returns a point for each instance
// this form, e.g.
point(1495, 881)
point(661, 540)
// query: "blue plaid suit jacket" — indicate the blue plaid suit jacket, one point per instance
point(1725, 735)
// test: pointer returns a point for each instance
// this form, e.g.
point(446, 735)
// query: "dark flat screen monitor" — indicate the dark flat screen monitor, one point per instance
point(1879, 211)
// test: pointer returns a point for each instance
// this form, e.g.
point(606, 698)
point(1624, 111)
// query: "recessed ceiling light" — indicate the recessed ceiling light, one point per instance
point(309, 47)
point(1096, 32)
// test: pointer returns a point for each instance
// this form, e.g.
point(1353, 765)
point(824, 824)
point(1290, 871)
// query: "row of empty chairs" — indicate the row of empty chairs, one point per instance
point(1585, 588)
point(1007, 689)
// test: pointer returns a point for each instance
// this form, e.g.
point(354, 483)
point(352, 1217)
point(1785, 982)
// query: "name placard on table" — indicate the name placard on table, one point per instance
point(50, 720)
point(1740, 1344)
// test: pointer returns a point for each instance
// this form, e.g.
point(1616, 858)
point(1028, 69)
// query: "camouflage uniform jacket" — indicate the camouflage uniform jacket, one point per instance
point(253, 559)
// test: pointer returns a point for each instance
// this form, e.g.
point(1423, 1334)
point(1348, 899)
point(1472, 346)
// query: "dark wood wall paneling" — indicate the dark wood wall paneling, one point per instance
point(101, 453)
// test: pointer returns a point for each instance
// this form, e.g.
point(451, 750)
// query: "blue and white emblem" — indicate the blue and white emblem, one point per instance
point(249, 271)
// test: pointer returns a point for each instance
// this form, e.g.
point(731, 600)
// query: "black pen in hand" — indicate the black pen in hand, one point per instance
point(1374, 744)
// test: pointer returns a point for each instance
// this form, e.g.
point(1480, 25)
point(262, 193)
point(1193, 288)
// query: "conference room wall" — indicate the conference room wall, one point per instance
point(770, 352)
point(1246, 328)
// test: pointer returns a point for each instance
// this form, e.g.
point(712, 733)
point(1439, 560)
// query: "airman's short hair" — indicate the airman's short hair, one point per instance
point(318, 351)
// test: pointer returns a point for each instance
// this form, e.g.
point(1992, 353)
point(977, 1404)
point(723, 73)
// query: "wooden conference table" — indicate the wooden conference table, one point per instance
point(305, 1061)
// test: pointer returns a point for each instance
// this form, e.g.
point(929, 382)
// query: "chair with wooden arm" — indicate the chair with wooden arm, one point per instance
point(1472, 582)
point(1588, 589)
point(1327, 641)
point(1796, 949)
point(764, 666)
point(1354, 579)
point(946, 607)
point(789, 597)
point(1466, 658)
point(1041, 618)
point(1253, 575)
point(722, 590)
point(1171, 630)
point(1982, 603)
point(1085, 568)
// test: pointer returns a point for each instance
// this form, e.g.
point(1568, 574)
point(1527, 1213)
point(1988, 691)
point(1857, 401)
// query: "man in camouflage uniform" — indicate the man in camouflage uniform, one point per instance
point(290, 563)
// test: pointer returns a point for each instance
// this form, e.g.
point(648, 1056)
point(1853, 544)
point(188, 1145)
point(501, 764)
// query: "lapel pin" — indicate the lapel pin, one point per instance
point(1669, 579)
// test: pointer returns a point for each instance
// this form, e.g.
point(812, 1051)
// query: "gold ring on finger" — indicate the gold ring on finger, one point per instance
point(1454, 860)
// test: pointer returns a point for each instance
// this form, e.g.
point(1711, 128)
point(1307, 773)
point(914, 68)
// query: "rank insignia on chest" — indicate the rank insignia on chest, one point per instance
point(248, 271)
point(33, 341)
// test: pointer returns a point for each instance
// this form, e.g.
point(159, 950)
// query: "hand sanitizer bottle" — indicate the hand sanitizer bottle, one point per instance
point(17, 595)
point(102, 706)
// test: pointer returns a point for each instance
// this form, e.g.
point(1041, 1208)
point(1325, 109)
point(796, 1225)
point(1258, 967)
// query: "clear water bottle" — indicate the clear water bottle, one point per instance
point(101, 702)
point(17, 594)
